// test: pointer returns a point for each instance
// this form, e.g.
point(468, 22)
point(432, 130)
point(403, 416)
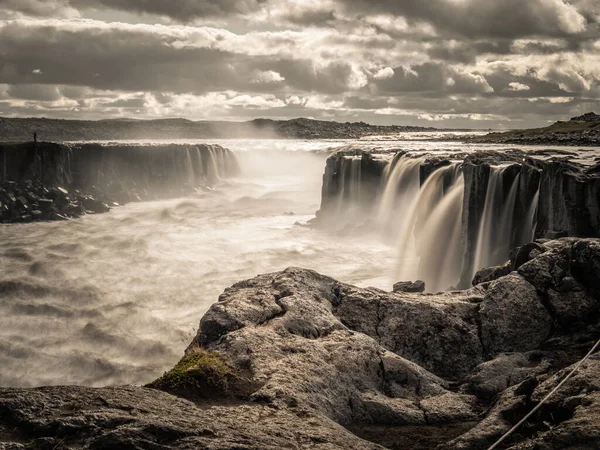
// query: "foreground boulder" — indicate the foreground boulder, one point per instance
point(141, 418)
point(286, 359)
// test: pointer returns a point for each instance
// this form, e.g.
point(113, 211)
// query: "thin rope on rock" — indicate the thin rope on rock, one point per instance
point(534, 410)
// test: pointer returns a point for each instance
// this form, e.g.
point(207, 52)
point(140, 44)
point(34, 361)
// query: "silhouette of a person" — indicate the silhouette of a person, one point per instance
point(35, 137)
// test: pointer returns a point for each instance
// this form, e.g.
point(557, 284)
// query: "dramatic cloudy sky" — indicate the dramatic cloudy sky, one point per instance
point(467, 63)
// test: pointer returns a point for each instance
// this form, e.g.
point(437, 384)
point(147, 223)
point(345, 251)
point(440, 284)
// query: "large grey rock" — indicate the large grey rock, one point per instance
point(513, 317)
point(288, 328)
point(140, 418)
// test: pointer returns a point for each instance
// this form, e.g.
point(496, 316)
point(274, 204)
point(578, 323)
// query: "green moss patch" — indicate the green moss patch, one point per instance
point(199, 373)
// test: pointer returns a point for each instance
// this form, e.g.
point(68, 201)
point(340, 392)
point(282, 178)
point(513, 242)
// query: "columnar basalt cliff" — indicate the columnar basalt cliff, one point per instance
point(468, 210)
point(81, 177)
point(294, 356)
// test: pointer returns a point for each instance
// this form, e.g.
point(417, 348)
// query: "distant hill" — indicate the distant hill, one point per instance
point(22, 129)
point(581, 130)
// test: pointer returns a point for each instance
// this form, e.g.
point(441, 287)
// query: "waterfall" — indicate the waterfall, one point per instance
point(531, 218)
point(420, 205)
point(496, 226)
point(429, 237)
point(401, 188)
point(189, 168)
point(349, 198)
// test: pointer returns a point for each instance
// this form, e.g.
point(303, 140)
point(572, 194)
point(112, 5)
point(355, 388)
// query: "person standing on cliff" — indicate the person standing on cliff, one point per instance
point(35, 137)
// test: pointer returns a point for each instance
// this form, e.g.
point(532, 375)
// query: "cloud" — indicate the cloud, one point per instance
point(516, 86)
point(180, 10)
point(382, 74)
point(433, 78)
point(268, 76)
point(506, 18)
point(384, 60)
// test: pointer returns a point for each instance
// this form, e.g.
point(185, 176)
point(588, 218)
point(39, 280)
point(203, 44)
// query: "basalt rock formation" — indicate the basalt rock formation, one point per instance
point(318, 363)
point(60, 181)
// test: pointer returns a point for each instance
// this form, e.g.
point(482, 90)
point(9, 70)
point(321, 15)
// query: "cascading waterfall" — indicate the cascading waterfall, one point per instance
point(496, 225)
point(189, 168)
point(443, 236)
point(401, 189)
point(434, 213)
point(349, 200)
point(531, 218)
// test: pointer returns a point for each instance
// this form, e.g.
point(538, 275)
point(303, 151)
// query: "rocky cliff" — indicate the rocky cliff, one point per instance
point(52, 181)
point(299, 360)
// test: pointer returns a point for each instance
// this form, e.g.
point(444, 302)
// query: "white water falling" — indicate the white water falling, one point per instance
point(199, 166)
point(189, 168)
point(401, 190)
point(532, 217)
point(440, 242)
point(350, 187)
point(495, 229)
point(212, 173)
point(432, 232)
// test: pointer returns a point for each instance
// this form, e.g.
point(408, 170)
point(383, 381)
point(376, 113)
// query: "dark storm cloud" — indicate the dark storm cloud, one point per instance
point(180, 10)
point(432, 77)
point(122, 57)
point(506, 18)
point(39, 92)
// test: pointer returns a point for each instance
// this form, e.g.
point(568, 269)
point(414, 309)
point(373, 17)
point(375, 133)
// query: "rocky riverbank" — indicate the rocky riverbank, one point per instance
point(29, 202)
point(298, 360)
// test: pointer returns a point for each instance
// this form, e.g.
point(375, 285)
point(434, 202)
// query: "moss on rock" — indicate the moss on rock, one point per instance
point(199, 373)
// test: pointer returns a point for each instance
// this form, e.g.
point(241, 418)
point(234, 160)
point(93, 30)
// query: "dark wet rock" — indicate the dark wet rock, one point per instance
point(22, 203)
point(408, 286)
point(491, 274)
point(95, 206)
point(524, 254)
point(585, 265)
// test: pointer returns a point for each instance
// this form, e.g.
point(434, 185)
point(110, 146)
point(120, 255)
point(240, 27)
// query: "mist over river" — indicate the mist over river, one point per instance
point(115, 298)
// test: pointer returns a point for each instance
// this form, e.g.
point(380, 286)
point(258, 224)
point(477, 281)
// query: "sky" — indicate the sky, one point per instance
point(439, 63)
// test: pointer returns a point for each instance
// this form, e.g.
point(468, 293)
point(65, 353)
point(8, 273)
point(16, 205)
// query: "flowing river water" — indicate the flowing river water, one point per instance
point(115, 298)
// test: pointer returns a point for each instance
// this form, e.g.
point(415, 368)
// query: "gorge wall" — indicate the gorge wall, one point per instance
point(149, 166)
point(48, 181)
point(451, 215)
